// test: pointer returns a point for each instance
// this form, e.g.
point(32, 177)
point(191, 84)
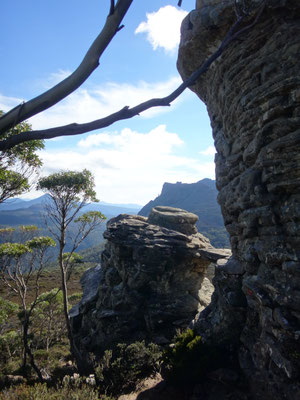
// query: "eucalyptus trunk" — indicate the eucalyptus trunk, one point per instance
point(27, 349)
point(83, 368)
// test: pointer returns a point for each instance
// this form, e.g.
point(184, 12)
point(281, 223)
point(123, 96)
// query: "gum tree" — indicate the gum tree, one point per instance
point(47, 319)
point(69, 191)
point(18, 163)
point(21, 265)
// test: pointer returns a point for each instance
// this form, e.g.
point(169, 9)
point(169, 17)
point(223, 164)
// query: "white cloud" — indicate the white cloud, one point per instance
point(163, 27)
point(53, 79)
point(6, 103)
point(210, 151)
point(134, 142)
point(86, 105)
point(129, 166)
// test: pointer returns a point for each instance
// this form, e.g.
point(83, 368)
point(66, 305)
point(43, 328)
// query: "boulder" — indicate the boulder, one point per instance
point(151, 274)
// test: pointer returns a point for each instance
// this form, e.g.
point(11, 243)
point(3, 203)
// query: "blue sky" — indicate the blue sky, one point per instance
point(44, 41)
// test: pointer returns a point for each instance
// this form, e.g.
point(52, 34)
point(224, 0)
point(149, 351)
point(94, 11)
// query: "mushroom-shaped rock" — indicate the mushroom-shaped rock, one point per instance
point(174, 218)
point(149, 282)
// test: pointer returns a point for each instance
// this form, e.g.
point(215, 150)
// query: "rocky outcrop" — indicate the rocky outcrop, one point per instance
point(252, 93)
point(148, 285)
point(199, 198)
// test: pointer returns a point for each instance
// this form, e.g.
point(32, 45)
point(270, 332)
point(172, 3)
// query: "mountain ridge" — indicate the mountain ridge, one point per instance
point(199, 198)
point(19, 203)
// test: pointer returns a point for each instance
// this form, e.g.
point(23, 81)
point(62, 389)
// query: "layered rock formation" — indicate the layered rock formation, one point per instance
point(149, 280)
point(252, 93)
point(199, 198)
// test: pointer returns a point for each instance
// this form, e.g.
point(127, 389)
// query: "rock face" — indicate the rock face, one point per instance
point(252, 93)
point(174, 219)
point(199, 198)
point(151, 273)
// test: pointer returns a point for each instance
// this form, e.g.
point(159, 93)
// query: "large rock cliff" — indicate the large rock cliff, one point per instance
point(252, 94)
point(149, 281)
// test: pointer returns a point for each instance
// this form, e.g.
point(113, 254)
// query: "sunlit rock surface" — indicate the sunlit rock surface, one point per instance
point(149, 281)
point(252, 93)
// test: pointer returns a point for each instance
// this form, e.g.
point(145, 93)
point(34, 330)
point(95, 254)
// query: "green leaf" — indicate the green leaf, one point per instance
point(91, 216)
point(12, 182)
point(69, 186)
point(40, 242)
point(15, 250)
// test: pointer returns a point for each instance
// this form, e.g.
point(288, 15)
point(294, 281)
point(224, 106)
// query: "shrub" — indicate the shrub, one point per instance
point(120, 369)
point(75, 298)
point(53, 358)
point(66, 391)
point(11, 367)
point(10, 346)
point(189, 359)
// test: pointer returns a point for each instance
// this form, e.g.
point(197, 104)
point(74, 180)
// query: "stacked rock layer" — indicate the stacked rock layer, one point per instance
point(252, 93)
point(149, 280)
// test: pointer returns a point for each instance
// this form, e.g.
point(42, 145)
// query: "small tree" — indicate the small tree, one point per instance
point(69, 192)
point(9, 338)
point(47, 319)
point(18, 164)
point(7, 308)
point(20, 270)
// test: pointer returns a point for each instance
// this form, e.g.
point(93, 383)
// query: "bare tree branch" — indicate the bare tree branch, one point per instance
point(89, 63)
point(112, 7)
point(127, 112)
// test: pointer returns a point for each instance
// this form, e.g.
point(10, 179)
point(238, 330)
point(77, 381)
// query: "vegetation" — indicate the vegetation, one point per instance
point(21, 266)
point(47, 326)
point(69, 191)
point(18, 163)
point(121, 369)
point(118, 371)
point(185, 363)
point(77, 390)
point(190, 359)
point(218, 236)
point(47, 338)
point(31, 306)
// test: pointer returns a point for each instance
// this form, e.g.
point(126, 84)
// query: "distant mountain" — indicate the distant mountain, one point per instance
point(112, 210)
point(108, 209)
point(199, 198)
point(14, 204)
point(125, 205)
point(17, 212)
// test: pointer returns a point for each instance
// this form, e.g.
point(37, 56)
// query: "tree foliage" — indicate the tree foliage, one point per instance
point(190, 359)
point(47, 319)
point(7, 309)
point(69, 192)
point(18, 163)
point(69, 187)
point(21, 265)
point(121, 369)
